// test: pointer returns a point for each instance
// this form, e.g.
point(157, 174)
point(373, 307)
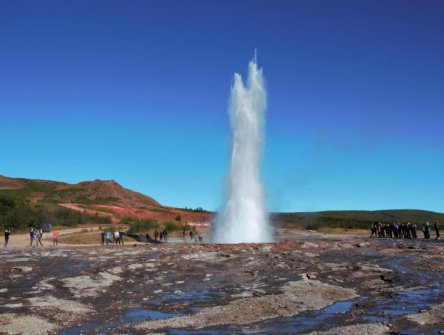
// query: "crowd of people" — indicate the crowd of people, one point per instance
point(403, 230)
point(159, 236)
point(36, 236)
point(194, 235)
point(112, 237)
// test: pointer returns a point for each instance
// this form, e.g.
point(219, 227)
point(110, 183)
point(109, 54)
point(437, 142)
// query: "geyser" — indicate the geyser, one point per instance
point(244, 218)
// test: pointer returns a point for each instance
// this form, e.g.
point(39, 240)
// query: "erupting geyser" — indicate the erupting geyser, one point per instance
point(244, 218)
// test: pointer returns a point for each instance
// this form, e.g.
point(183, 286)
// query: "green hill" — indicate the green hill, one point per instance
point(41, 192)
point(25, 202)
point(353, 219)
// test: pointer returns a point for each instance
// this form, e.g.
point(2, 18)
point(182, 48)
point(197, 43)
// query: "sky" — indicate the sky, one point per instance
point(137, 91)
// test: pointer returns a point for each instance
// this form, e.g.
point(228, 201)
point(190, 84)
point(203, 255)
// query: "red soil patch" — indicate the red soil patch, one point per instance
point(158, 214)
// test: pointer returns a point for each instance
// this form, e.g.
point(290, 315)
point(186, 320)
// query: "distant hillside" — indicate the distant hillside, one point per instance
point(27, 201)
point(88, 192)
point(353, 219)
point(45, 200)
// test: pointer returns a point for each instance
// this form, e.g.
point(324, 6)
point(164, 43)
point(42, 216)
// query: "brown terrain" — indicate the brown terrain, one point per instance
point(104, 197)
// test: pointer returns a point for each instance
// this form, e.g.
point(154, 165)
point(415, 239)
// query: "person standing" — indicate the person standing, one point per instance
point(373, 230)
point(414, 229)
point(117, 237)
point(102, 235)
point(436, 226)
point(55, 238)
point(121, 233)
point(427, 231)
point(39, 237)
point(108, 237)
point(31, 236)
point(156, 234)
point(7, 233)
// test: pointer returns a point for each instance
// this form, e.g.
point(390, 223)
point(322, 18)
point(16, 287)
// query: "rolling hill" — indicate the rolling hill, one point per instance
point(98, 198)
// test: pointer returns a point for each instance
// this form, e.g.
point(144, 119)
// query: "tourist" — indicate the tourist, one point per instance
point(426, 230)
point(102, 235)
point(191, 235)
point(121, 233)
point(409, 230)
point(39, 237)
point(165, 235)
point(373, 230)
point(403, 230)
point(436, 226)
point(108, 237)
point(31, 236)
point(55, 238)
point(184, 233)
point(117, 237)
point(390, 230)
point(379, 229)
point(7, 233)
point(414, 229)
point(156, 234)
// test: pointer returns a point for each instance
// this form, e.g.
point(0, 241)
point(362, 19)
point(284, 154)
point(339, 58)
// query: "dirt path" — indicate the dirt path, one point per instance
point(79, 208)
point(22, 240)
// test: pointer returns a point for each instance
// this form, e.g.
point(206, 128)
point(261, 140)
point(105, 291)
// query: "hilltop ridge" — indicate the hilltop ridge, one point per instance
point(104, 198)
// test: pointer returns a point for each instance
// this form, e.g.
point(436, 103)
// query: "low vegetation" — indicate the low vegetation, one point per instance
point(352, 219)
point(17, 214)
point(144, 226)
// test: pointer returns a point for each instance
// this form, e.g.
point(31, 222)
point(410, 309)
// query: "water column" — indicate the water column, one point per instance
point(244, 217)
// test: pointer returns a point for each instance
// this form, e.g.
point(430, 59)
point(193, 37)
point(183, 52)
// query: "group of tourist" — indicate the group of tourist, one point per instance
point(194, 236)
point(159, 236)
point(36, 236)
point(403, 230)
point(112, 237)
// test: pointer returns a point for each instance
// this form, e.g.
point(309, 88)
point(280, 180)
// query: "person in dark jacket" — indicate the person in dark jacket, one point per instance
point(7, 233)
point(436, 226)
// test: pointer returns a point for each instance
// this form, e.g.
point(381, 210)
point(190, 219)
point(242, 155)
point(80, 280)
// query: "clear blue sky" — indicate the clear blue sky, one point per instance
point(137, 91)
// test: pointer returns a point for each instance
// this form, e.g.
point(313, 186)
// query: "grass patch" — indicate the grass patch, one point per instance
point(81, 238)
point(145, 226)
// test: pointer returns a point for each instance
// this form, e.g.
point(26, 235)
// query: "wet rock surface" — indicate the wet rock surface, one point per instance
point(310, 284)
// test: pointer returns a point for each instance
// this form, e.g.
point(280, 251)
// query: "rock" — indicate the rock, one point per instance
point(258, 308)
point(311, 275)
point(21, 269)
point(18, 305)
point(359, 329)
point(86, 286)
point(388, 277)
point(28, 324)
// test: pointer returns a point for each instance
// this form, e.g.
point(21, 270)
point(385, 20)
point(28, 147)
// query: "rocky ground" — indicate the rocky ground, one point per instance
point(308, 284)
